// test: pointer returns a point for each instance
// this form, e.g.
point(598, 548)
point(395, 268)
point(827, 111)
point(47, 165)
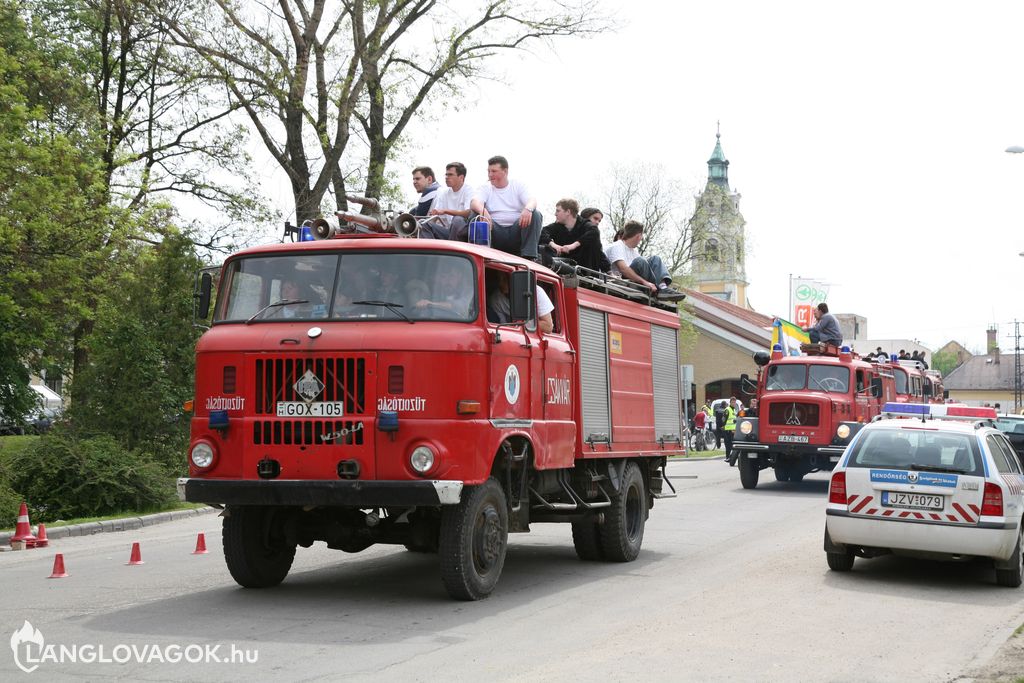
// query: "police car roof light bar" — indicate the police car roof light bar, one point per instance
point(938, 411)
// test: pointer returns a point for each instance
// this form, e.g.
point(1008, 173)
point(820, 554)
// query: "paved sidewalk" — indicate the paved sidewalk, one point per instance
point(122, 524)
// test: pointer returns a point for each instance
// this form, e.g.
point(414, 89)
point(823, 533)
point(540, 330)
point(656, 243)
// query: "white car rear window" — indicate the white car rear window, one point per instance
point(930, 450)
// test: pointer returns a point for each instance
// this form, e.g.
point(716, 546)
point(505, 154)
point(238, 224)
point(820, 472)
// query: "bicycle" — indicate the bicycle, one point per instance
point(702, 439)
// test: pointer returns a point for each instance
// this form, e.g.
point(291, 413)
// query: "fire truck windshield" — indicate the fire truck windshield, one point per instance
point(348, 286)
point(795, 376)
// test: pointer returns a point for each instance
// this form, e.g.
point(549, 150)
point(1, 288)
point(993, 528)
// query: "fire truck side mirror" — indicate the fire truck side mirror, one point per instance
point(521, 289)
point(876, 387)
point(203, 296)
point(746, 386)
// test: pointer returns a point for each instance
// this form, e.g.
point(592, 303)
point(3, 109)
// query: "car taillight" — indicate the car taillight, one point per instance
point(837, 489)
point(992, 503)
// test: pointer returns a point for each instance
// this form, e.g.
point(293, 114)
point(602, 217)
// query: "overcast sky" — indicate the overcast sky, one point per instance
point(866, 139)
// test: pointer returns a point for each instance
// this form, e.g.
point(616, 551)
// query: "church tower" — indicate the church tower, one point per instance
point(717, 259)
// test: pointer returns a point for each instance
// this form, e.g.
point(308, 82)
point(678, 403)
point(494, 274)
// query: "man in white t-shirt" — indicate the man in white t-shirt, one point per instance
point(452, 204)
point(650, 271)
point(511, 209)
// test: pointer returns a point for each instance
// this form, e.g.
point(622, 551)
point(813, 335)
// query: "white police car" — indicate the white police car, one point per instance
point(932, 481)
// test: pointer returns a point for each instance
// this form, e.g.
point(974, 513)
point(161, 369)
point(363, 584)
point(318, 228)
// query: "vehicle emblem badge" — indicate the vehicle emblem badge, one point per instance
point(912, 477)
point(308, 386)
point(793, 416)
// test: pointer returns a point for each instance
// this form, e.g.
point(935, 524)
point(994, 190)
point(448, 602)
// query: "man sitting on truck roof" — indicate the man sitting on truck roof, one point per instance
point(648, 271)
point(574, 237)
point(826, 329)
point(452, 203)
point(511, 209)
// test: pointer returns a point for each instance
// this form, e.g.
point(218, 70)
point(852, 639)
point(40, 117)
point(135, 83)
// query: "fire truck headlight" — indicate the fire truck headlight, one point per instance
point(843, 431)
point(422, 459)
point(746, 427)
point(202, 455)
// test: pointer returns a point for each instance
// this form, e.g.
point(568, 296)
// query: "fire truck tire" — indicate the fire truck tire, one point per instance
point(748, 472)
point(622, 533)
point(781, 472)
point(251, 559)
point(474, 539)
point(586, 538)
point(1011, 578)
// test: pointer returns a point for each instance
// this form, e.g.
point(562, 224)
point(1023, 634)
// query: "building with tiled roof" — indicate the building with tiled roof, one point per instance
point(727, 337)
point(988, 378)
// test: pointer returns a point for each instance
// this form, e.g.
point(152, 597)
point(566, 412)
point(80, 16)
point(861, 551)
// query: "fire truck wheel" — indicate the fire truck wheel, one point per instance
point(623, 530)
point(474, 538)
point(586, 538)
point(1011, 578)
point(782, 472)
point(256, 552)
point(748, 472)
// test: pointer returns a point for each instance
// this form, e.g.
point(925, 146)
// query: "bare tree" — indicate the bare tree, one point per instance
point(330, 87)
point(645, 192)
point(164, 128)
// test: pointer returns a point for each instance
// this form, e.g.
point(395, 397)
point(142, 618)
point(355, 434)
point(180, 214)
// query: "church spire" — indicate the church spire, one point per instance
point(718, 165)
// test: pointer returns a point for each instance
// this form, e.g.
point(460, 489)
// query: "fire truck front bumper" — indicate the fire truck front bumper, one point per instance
point(319, 493)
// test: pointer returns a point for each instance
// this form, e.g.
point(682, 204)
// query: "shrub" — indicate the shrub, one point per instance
point(62, 477)
point(10, 502)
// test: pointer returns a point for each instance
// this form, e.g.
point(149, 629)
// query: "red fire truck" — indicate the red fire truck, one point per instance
point(361, 390)
point(809, 407)
point(915, 384)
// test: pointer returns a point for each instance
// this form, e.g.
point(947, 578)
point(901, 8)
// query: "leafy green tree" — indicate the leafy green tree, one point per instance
point(140, 367)
point(52, 212)
point(945, 362)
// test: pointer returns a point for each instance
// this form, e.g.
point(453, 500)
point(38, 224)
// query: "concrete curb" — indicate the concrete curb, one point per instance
point(110, 525)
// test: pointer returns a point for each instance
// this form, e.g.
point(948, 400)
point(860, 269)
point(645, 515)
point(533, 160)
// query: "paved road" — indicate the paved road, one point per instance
point(731, 585)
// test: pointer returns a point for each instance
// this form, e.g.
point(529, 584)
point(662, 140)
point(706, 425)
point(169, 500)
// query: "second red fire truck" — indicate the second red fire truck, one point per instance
point(810, 406)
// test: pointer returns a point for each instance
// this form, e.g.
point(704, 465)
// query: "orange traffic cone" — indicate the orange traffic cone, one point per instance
point(136, 557)
point(200, 545)
point(58, 568)
point(23, 530)
point(41, 540)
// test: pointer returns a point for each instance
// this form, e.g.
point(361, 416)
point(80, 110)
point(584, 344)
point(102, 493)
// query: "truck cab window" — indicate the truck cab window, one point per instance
point(365, 286)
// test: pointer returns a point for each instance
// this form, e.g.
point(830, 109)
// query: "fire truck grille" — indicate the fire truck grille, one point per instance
point(307, 433)
point(793, 414)
point(343, 380)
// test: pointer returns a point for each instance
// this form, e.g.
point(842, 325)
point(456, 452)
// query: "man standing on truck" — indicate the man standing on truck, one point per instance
point(826, 329)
